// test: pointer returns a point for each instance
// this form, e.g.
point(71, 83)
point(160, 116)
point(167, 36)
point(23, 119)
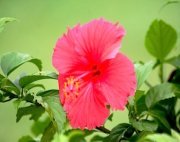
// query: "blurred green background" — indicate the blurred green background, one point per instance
point(41, 22)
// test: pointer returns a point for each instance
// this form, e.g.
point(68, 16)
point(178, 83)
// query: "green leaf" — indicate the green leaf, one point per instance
point(77, 137)
point(34, 111)
point(170, 2)
point(160, 138)
point(175, 61)
point(48, 93)
point(140, 105)
point(139, 137)
point(8, 86)
point(160, 39)
point(25, 80)
point(39, 126)
point(48, 133)
point(158, 93)
point(4, 21)
point(120, 132)
point(26, 139)
point(50, 101)
point(144, 125)
point(142, 72)
point(175, 135)
point(10, 61)
point(110, 117)
point(178, 120)
point(98, 138)
point(32, 86)
point(160, 115)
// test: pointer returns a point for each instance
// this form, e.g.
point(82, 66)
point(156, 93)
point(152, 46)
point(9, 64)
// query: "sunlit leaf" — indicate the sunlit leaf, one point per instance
point(50, 101)
point(26, 139)
point(34, 111)
point(77, 137)
point(39, 126)
point(175, 135)
point(4, 21)
point(25, 80)
point(48, 133)
point(160, 138)
point(160, 39)
point(8, 86)
point(158, 93)
point(10, 61)
point(142, 72)
point(32, 86)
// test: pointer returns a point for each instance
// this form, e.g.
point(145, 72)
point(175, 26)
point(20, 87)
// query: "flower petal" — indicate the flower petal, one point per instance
point(100, 40)
point(93, 42)
point(65, 58)
point(88, 110)
point(118, 81)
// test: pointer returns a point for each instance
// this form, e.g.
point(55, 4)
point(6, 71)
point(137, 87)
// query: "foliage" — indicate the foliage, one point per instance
point(154, 113)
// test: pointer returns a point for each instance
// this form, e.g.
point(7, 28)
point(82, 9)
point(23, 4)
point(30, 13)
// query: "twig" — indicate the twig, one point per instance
point(161, 73)
point(171, 76)
point(103, 129)
point(148, 84)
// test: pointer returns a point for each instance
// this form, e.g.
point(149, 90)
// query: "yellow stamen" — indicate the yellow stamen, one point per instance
point(71, 88)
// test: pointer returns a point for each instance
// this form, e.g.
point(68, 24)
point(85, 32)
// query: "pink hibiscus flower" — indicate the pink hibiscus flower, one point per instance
point(92, 73)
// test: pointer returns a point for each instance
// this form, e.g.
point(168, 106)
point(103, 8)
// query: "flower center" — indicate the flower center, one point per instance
point(95, 71)
point(71, 88)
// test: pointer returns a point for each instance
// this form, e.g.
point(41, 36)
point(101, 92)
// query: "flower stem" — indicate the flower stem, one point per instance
point(161, 73)
point(103, 129)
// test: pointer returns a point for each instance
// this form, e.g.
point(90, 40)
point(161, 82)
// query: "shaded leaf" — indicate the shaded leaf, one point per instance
point(25, 80)
point(144, 125)
point(12, 60)
point(142, 72)
point(160, 39)
point(158, 93)
point(28, 97)
point(120, 132)
point(175, 77)
point(110, 117)
point(160, 115)
point(34, 111)
point(139, 137)
point(48, 133)
point(4, 21)
point(98, 138)
point(140, 104)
